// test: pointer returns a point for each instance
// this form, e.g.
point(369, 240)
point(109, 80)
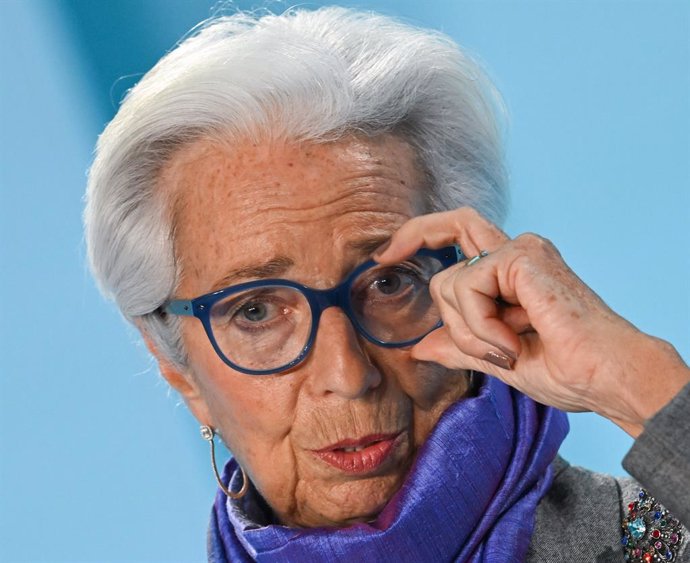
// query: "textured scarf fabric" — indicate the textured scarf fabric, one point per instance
point(470, 496)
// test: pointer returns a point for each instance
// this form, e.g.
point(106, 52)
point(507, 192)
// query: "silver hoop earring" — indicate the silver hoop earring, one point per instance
point(207, 433)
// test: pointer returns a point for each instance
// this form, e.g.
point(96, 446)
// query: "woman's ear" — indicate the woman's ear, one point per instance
point(182, 382)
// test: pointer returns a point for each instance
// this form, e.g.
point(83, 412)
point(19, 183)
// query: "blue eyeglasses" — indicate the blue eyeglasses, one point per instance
point(269, 326)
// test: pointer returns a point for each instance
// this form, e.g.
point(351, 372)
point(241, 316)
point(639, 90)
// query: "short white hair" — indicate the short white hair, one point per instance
point(303, 75)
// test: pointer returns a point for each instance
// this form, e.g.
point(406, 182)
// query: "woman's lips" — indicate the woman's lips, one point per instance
point(362, 455)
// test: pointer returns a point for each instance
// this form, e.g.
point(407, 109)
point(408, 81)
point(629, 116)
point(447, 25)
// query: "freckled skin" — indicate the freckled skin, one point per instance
point(242, 205)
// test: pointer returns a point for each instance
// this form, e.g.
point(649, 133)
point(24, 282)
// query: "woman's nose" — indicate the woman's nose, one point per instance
point(340, 363)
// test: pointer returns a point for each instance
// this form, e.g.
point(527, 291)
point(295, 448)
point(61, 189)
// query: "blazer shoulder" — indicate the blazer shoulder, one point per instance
point(580, 518)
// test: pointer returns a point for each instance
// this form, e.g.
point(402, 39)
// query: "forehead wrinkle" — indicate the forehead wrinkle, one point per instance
point(204, 177)
point(361, 203)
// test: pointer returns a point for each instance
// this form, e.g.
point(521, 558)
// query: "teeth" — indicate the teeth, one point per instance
point(359, 448)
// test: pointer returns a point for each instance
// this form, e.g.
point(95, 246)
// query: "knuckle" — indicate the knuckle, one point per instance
point(444, 288)
point(535, 243)
point(522, 262)
point(409, 226)
point(465, 340)
point(435, 286)
point(497, 232)
point(467, 219)
point(460, 335)
point(416, 222)
point(470, 214)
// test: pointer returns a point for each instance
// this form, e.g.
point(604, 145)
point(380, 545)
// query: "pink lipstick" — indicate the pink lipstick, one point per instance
point(361, 455)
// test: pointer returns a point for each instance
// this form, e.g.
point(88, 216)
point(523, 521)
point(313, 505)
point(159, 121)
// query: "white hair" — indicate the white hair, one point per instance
point(305, 76)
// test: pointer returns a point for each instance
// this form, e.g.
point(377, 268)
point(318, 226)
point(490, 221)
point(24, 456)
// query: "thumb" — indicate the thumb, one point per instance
point(438, 347)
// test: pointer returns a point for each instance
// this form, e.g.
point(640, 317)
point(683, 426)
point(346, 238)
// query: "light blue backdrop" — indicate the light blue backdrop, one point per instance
point(98, 462)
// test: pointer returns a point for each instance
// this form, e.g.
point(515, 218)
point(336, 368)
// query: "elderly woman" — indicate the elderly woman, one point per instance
point(298, 213)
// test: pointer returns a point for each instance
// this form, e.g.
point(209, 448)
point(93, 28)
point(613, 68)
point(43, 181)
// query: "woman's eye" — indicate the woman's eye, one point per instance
point(397, 282)
point(246, 313)
point(389, 284)
point(272, 308)
point(254, 312)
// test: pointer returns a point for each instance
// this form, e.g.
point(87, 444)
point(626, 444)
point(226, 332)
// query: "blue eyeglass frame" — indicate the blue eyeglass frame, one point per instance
point(319, 300)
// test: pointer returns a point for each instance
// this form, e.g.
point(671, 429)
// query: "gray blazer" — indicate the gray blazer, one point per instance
point(579, 520)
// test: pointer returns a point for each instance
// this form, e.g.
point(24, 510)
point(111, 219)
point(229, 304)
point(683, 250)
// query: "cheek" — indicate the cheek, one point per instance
point(426, 383)
point(441, 388)
point(255, 419)
point(254, 414)
point(431, 388)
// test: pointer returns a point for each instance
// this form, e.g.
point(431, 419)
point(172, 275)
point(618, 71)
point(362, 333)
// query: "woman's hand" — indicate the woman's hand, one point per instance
point(522, 315)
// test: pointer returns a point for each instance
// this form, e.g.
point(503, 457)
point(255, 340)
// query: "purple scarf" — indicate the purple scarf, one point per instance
point(470, 496)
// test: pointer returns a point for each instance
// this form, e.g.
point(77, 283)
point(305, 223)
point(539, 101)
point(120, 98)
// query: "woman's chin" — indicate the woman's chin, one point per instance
point(348, 503)
point(341, 520)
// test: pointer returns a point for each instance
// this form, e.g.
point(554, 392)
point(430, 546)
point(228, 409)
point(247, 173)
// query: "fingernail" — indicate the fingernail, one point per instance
point(508, 352)
point(499, 360)
point(381, 249)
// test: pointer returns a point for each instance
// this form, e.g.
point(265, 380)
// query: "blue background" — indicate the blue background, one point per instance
point(98, 461)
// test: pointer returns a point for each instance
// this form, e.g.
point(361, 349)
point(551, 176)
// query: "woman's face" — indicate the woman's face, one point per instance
point(309, 213)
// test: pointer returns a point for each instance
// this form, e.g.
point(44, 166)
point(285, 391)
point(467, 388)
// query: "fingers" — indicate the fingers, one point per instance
point(489, 305)
point(440, 348)
point(515, 317)
point(473, 293)
point(474, 319)
point(464, 227)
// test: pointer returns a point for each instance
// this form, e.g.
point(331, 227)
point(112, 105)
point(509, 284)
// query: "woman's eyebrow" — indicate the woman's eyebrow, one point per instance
point(277, 266)
point(272, 268)
point(368, 245)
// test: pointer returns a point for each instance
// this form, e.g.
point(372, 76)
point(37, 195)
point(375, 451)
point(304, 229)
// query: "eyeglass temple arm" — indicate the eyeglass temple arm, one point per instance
point(182, 307)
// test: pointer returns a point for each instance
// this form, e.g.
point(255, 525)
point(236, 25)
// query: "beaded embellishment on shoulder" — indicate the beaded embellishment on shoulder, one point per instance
point(650, 533)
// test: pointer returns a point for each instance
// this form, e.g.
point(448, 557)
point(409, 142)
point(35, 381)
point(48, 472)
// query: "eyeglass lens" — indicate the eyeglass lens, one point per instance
point(268, 327)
